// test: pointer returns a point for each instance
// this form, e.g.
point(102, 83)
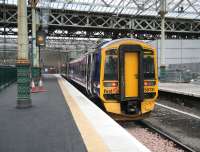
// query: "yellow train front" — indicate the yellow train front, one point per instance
point(128, 78)
point(128, 81)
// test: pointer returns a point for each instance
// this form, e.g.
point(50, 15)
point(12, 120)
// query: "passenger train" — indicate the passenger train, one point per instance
point(123, 74)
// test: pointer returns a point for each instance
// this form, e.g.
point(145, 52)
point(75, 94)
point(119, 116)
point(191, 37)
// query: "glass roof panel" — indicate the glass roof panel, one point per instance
point(175, 8)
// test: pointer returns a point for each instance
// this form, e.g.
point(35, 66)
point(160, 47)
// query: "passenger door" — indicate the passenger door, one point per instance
point(88, 73)
point(131, 73)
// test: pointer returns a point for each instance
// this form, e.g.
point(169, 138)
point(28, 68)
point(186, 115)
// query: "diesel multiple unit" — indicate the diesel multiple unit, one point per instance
point(122, 73)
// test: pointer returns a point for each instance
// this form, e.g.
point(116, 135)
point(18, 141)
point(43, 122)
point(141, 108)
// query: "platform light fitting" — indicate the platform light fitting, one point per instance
point(41, 38)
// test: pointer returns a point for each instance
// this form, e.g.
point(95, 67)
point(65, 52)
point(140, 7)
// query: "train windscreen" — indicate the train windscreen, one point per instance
point(111, 65)
point(149, 70)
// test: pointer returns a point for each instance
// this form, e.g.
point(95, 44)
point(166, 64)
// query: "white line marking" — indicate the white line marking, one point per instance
point(106, 127)
point(187, 93)
point(173, 109)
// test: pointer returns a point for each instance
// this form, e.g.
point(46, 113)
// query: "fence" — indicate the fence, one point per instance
point(179, 75)
point(8, 75)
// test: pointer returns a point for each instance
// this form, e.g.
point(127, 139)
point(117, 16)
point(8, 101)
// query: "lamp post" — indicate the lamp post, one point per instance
point(36, 66)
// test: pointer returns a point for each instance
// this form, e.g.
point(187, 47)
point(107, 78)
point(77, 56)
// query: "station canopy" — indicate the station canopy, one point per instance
point(189, 9)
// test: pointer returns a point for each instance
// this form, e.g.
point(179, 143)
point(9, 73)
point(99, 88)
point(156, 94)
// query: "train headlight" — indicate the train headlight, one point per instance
point(110, 84)
point(145, 83)
point(149, 83)
point(114, 84)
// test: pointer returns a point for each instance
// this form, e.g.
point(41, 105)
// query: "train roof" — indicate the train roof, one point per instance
point(122, 39)
point(102, 43)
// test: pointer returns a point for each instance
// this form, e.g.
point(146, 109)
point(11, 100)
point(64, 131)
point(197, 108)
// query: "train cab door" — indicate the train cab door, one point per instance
point(131, 75)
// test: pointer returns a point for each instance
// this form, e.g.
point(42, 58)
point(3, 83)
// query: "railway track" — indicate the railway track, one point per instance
point(167, 136)
point(162, 137)
point(161, 132)
point(177, 125)
point(181, 99)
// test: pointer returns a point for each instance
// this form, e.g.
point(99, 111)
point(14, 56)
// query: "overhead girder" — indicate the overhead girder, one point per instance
point(61, 44)
point(81, 24)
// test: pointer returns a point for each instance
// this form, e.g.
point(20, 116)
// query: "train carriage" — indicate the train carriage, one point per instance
point(123, 74)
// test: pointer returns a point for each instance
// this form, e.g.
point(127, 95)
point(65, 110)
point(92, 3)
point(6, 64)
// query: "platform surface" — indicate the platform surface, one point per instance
point(100, 132)
point(46, 127)
point(181, 88)
point(61, 120)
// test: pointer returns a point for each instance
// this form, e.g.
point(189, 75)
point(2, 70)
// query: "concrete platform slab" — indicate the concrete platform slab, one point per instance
point(101, 128)
point(46, 127)
point(180, 88)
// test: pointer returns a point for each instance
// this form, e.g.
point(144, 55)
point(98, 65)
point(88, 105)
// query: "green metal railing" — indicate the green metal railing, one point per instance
point(8, 75)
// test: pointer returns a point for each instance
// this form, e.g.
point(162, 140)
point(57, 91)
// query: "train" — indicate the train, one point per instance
point(122, 73)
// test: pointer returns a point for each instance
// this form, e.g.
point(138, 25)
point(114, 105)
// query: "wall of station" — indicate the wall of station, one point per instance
point(8, 57)
point(176, 52)
point(57, 58)
point(179, 51)
point(52, 59)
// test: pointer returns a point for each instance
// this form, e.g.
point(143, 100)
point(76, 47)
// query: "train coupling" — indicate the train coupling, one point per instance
point(131, 108)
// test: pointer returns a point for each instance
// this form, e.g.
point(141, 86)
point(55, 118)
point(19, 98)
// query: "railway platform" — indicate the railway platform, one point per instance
point(61, 119)
point(186, 89)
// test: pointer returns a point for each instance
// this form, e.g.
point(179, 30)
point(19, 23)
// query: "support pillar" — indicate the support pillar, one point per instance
point(162, 50)
point(22, 63)
point(162, 42)
point(35, 67)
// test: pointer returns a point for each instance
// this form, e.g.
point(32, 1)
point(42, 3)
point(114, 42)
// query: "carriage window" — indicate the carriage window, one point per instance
point(111, 65)
point(149, 70)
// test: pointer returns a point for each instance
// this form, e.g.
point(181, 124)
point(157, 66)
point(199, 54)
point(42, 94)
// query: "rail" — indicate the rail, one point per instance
point(177, 142)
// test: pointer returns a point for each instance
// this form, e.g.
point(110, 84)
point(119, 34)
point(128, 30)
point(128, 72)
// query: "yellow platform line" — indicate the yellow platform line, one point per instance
point(92, 140)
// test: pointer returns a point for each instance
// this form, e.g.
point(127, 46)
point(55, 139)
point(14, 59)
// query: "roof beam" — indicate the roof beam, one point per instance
point(138, 6)
point(129, 2)
point(118, 5)
point(177, 5)
point(107, 5)
point(91, 6)
point(147, 7)
point(193, 6)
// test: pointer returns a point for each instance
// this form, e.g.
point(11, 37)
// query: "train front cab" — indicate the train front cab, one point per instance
point(128, 78)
